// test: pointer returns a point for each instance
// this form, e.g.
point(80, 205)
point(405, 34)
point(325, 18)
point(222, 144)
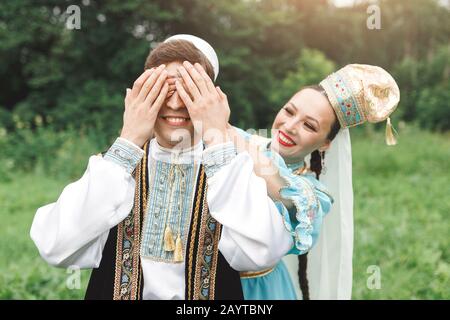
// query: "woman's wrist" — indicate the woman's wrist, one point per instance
point(139, 141)
point(216, 137)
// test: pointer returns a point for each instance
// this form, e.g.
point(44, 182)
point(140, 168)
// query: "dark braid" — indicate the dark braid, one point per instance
point(316, 163)
point(302, 278)
point(315, 166)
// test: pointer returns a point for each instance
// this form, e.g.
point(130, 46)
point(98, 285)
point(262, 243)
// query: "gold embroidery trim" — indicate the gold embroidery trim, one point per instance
point(218, 232)
point(135, 282)
point(194, 230)
point(120, 230)
point(205, 231)
point(255, 274)
point(201, 238)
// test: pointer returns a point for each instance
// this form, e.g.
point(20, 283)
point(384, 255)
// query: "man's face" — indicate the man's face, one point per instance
point(173, 125)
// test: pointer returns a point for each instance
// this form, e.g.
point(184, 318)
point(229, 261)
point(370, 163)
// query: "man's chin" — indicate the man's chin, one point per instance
point(174, 139)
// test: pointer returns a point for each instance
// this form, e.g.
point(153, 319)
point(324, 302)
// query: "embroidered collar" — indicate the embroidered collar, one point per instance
point(295, 166)
point(176, 155)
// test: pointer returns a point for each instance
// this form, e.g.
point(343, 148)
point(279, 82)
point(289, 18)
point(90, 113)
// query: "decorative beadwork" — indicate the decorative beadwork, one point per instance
point(125, 154)
point(127, 283)
point(347, 103)
point(169, 203)
point(201, 262)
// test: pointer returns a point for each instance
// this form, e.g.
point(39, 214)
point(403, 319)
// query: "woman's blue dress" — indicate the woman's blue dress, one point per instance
point(311, 203)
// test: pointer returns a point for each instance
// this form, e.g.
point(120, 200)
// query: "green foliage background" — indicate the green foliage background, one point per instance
point(78, 77)
point(61, 100)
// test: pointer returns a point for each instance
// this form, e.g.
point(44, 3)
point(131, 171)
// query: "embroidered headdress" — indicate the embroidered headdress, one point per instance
point(360, 93)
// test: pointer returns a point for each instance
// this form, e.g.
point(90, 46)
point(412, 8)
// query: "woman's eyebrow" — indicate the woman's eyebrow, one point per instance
point(314, 120)
point(309, 117)
point(292, 104)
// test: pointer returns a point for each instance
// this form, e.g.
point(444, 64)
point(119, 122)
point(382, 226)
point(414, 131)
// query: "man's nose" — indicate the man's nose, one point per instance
point(175, 102)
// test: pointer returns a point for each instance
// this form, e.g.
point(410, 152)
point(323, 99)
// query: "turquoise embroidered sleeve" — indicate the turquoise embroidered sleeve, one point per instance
point(215, 157)
point(310, 198)
point(125, 154)
point(304, 220)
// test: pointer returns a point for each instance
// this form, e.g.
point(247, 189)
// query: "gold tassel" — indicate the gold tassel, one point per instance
point(390, 137)
point(169, 244)
point(178, 254)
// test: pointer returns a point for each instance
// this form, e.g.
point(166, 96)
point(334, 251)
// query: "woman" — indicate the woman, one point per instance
point(304, 201)
point(307, 124)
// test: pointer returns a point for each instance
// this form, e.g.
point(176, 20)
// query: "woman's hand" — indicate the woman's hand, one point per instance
point(142, 104)
point(207, 105)
point(263, 166)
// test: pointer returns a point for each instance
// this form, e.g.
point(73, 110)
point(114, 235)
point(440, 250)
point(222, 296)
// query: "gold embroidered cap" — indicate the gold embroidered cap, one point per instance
point(360, 93)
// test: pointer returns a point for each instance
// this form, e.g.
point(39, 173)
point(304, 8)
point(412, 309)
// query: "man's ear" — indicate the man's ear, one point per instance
point(325, 146)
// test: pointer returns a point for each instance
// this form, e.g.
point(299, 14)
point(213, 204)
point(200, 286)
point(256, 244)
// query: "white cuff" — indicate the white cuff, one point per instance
point(217, 156)
point(124, 153)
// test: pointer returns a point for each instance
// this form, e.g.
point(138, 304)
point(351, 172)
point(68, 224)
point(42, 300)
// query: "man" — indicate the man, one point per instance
point(154, 216)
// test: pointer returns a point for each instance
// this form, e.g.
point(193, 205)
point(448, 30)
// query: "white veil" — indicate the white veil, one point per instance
point(329, 267)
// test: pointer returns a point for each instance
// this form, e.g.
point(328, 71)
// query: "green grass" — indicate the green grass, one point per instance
point(24, 275)
point(401, 212)
point(401, 222)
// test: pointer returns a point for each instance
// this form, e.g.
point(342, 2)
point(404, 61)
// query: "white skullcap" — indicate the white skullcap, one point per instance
point(203, 46)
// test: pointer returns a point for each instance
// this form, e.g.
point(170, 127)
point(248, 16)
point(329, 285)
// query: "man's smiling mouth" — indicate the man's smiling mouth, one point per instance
point(176, 120)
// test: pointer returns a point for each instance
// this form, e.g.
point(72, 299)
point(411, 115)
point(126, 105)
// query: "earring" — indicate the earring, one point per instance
point(322, 162)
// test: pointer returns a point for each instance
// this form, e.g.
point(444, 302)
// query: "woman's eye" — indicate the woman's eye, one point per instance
point(288, 111)
point(309, 126)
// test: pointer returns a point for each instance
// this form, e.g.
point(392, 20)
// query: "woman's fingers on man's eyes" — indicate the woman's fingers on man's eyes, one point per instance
point(184, 95)
point(171, 83)
point(197, 77)
point(207, 79)
point(189, 83)
point(201, 70)
point(139, 82)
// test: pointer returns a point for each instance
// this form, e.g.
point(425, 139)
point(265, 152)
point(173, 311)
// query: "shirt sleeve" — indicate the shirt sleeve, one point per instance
point(74, 229)
point(253, 234)
point(311, 204)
